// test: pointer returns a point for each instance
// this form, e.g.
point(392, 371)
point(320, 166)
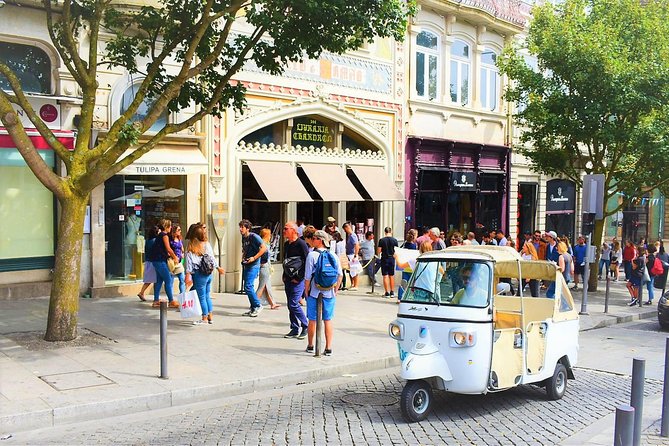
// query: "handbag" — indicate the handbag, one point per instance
point(343, 260)
point(175, 267)
point(646, 276)
point(189, 304)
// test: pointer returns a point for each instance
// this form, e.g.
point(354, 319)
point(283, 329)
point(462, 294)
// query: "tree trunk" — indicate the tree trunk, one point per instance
point(64, 303)
point(596, 241)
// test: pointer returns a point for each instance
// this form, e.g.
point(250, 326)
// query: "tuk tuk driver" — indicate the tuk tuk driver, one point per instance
point(471, 293)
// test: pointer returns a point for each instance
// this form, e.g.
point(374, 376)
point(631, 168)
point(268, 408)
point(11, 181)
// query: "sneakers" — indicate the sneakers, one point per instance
point(256, 311)
point(377, 284)
point(174, 304)
point(327, 352)
point(303, 334)
point(310, 349)
point(291, 335)
point(633, 302)
point(648, 302)
point(248, 313)
point(198, 322)
point(392, 294)
point(353, 288)
point(386, 295)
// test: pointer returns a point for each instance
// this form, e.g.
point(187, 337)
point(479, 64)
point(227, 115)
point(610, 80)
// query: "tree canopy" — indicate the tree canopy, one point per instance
point(598, 101)
point(206, 43)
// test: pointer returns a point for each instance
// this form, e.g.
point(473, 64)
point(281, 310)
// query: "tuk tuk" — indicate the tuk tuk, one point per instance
point(458, 330)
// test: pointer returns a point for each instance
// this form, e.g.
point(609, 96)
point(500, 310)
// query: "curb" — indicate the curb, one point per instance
point(56, 416)
point(614, 320)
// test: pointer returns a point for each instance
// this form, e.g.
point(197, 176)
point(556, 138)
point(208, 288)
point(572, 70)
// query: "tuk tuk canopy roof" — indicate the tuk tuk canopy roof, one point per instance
point(506, 261)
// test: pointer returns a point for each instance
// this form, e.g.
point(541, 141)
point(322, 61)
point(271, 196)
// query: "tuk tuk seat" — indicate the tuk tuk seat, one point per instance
point(508, 315)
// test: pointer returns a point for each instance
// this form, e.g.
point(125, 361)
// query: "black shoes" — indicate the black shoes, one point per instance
point(327, 352)
point(303, 334)
point(291, 335)
point(310, 349)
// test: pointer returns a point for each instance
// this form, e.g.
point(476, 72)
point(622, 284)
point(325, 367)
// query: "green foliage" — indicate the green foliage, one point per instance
point(600, 96)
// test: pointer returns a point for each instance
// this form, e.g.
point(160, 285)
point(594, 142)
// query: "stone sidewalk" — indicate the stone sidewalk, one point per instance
point(114, 368)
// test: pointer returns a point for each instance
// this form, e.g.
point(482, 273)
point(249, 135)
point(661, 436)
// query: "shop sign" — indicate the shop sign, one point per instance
point(311, 132)
point(463, 181)
point(560, 196)
point(162, 169)
point(47, 109)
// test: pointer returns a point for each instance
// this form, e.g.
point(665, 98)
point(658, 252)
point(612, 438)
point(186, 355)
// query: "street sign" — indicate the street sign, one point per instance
point(593, 195)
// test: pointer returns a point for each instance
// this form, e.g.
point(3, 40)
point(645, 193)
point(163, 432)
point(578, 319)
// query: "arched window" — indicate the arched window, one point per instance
point(460, 65)
point(30, 64)
point(489, 80)
point(143, 109)
point(427, 65)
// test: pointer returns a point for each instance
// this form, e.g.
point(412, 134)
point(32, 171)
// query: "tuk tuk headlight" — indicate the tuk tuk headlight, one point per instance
point(460, 338)
point(396, 331)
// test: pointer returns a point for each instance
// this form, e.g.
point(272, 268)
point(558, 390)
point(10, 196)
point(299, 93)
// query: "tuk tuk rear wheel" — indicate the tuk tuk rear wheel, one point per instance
point(416, 400)
point(557, 384)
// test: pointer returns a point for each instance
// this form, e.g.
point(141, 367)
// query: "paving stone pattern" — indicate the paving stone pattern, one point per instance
point(521, 416)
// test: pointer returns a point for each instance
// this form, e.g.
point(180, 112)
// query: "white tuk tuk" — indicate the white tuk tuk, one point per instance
point(457, 331)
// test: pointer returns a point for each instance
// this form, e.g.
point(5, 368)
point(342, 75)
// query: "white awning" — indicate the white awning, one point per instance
point(331, 182)
point(278, 181)
point(377, 184)
point(168, 161)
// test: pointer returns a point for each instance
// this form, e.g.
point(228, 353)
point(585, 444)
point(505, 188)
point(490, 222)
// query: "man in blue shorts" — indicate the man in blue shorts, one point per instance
point(320, 243)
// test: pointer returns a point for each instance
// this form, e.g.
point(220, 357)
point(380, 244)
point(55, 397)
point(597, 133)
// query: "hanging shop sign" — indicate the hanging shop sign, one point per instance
point(560, 196)
point(307, 131)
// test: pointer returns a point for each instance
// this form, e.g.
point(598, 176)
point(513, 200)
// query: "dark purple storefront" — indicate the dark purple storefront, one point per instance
point(456, 186)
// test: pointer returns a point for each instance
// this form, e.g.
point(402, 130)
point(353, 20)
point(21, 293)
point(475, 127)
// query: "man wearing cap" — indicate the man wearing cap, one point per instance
point(320, 243)
point(552, 255)
point(331, 227)
point(295, 248)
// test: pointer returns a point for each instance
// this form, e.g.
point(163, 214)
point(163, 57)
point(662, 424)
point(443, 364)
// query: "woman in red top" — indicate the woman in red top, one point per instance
point(629, 254)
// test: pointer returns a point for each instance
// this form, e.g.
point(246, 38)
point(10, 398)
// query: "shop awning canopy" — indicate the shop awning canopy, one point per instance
point(168, 161)
point(331, 182)
point(377, 184)
point(278, 181)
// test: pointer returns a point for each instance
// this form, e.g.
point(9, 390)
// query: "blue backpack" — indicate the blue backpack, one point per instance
point(326, 272)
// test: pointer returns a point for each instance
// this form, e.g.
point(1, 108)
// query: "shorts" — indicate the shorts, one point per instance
point(579, 269)
point(635, 281)
point(388, 266)
point(328, 308)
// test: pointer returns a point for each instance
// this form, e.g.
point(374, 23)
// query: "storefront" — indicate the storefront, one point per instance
point(561, 207)
point(30, 247)
point(528, 194)
point(156, 186)
point(456, 186)
point(296, 169)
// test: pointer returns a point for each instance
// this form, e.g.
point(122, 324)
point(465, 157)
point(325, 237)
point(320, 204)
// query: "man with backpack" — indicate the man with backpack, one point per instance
point(322, 275)
point(252, 249)
point(295, 256)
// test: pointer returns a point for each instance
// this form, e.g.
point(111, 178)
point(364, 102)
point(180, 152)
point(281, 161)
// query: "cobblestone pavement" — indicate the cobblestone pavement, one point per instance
point(318, 413)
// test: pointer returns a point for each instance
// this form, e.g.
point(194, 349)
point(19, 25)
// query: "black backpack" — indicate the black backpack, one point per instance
point(206, 264)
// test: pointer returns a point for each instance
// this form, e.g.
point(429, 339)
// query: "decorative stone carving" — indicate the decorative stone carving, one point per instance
point(319, 152)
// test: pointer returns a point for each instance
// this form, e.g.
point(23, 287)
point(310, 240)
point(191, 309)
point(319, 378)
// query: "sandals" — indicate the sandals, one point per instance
point(142, 298)
point(275, 306)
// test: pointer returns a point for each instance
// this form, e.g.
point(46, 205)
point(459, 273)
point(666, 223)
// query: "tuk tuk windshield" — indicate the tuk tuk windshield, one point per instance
point(462, 283)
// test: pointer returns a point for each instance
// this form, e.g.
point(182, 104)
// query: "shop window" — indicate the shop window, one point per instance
point(133, 205)
point(527, 207)
point(489, 80)
point(30, 64)
point(490, 211)
point(143, 110)
point(460, 66)
point(362, 215)
point(427, 65)
point(264, 135)
point(22, 194)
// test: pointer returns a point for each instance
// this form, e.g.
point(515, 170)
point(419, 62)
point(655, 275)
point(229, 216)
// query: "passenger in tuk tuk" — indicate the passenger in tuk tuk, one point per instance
point(471, 293)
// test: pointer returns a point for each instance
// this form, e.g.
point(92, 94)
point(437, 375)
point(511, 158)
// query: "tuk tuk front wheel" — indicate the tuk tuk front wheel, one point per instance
point(416, 400)
point(557, 384)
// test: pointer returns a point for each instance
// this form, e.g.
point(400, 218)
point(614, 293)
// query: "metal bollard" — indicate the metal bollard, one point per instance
point(636, 401)
point(624, 431)
point(319, 325)
point(606, 293)
point(163, 339)
point(664, 431)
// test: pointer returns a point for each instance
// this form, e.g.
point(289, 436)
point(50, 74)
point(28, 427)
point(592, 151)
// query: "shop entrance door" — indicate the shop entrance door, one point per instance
point(461, 212)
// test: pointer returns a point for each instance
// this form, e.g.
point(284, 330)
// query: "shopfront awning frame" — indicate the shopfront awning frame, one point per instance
point(376, 182)
point(278, 181)
point(331, 182)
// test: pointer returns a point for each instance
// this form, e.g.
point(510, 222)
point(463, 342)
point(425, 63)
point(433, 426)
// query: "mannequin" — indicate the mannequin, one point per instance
point(132, 225)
